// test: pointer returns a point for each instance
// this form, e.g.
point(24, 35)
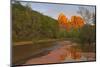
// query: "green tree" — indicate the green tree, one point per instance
point(28, 24)
point(87, 37)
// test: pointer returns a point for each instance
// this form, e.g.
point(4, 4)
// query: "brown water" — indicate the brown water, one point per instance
point(62, 54)
point(49, 52)
point(21, 53)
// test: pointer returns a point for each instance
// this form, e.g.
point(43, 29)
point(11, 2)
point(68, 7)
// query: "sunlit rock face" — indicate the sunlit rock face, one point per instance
point(74, 22)
point(64, 22)
point(62, 19)
point(77, 22)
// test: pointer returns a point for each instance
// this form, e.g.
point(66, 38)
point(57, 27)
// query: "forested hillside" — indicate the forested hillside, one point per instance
point(37, 35)
point(28, 24)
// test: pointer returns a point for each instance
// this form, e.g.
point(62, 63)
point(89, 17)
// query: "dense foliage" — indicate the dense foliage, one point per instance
point(88, 38)
point(28, 24)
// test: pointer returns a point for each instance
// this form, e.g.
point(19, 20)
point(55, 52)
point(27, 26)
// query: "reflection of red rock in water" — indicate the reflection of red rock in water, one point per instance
point(56, 56)
point(75, 54)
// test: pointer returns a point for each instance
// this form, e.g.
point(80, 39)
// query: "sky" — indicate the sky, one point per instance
point(53, 10)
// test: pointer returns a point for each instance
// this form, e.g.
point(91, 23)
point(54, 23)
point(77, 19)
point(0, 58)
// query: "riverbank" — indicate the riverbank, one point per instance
point(62, 54)
point(50, 52)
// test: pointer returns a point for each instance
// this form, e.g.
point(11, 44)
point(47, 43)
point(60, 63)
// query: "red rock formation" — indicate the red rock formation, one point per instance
point(77, 22)
point(64, 22)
